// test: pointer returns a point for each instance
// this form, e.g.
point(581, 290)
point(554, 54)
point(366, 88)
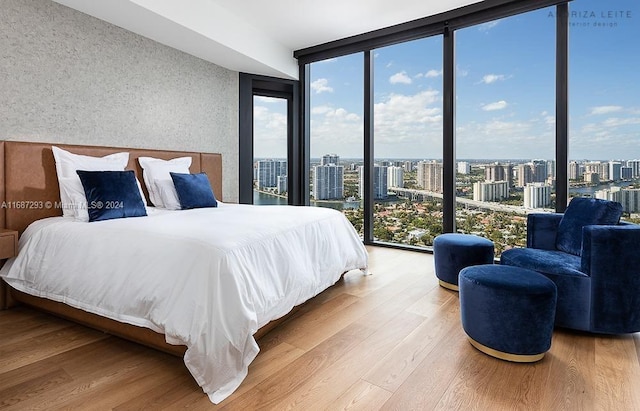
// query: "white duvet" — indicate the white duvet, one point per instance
point(206, 278)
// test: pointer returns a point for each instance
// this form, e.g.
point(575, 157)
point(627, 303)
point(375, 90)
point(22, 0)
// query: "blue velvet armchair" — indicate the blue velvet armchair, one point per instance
point(597, 273)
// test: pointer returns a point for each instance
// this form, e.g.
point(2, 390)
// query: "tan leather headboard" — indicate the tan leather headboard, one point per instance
point(31, 189)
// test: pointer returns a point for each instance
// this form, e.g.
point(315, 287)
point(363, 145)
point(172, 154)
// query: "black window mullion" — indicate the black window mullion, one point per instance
point(448, 134)
point(562, 107)
point(368, 148)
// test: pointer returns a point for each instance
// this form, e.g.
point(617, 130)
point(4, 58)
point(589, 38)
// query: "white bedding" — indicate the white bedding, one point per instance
point(206, 278)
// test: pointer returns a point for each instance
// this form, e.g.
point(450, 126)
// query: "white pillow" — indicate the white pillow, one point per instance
point(154, 169)
point(66, 166)
point(168, 194)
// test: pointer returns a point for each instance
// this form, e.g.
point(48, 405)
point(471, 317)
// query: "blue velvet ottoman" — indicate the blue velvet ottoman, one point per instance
point(508, 312)
point(453, 252)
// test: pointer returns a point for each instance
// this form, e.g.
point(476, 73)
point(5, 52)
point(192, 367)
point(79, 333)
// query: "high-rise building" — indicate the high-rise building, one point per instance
point(328, 182)
point(614, 170)
point(575, 172)
point(591, 178)
point(537, 195)
point(602, 169)
point(380, 181)
point(626, 173)
point(281, 185)
point(508, 174)
point(494, 172)
point(629, 198)
point(430, 175)
point(490, 190)
point(635, 166)
point(464, 167)
point(268, 172)
point(525, 175)
point(330, 159)
point(551, 168)
point(408, 166)
point(539, 171)
point(611, 194)
point(395, 177)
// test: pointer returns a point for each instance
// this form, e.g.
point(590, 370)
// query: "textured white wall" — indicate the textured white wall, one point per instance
point(66, 77)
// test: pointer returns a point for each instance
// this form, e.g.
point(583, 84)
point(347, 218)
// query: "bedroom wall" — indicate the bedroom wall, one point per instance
point(66, 77)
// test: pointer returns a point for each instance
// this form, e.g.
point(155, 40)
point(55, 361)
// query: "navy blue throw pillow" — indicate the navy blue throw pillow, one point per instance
point(194, 190)
point(111, 194)
point(581, 212)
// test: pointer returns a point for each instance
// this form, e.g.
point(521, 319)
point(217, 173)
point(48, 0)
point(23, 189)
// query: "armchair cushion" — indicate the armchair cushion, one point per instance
point(582, 212)
point(543, 261)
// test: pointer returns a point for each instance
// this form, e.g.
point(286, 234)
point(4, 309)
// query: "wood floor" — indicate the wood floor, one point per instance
point(392, 340)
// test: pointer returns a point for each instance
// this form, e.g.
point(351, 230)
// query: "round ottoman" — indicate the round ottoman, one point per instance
point(453, 252)
point(507, 312)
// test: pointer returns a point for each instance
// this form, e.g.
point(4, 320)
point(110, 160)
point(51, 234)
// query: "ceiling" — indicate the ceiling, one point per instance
point(256, 36)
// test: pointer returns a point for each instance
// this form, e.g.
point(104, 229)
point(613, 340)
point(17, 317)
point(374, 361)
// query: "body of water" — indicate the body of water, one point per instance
point(260, 198)
point(589, 191)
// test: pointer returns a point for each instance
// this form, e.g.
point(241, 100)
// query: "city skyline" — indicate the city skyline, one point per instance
point(505, 103)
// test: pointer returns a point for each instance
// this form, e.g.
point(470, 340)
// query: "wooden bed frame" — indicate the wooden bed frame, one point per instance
point(29, 192)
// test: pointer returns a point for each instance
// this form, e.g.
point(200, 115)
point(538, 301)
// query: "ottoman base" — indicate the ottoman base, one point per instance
point(448, 286)
point(505, 355)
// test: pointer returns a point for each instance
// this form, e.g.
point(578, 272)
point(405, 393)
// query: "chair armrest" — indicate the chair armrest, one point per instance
point(610, 257)
point(542, 229)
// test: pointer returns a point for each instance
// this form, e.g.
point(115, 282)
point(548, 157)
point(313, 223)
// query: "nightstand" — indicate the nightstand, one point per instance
point(8, 249)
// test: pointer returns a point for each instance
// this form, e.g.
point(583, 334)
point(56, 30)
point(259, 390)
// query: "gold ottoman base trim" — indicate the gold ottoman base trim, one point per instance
point(505, 355)
point(448, 286)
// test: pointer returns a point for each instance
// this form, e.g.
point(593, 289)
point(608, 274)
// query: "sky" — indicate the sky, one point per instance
point(505, 97)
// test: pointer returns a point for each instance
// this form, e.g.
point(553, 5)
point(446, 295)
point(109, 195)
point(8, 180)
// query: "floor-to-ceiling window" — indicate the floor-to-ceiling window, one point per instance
point(505, 125)
point(269, 150)
point(407, 174)
point(336, 135)
point(465, 113)
point(604, 105)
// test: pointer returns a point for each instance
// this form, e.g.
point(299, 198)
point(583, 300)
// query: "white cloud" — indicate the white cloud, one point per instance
point(336, 129)
point(342, 114)
point(498, 105)
point(433, 73)
point(407, 119)
point(617, 122)
point(320, 109)
point(321, 85)
point(614, 137)
point(400, 78)
point(389, 64)
point(461, 71)
point(405, 125)
point(604, 110)
point(504, 128)
point(492, 78)
point(329, 60)
point(268, 100)
point(270, 131)
point(488, 26)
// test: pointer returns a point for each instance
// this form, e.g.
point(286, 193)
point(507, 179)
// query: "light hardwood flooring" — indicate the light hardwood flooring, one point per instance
point(392, 340)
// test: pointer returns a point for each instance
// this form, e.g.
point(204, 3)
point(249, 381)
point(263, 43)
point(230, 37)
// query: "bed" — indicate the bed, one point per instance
point(202, 282)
